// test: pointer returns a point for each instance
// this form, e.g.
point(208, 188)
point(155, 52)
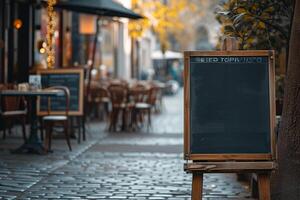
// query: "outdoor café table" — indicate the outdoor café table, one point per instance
point(33, 144)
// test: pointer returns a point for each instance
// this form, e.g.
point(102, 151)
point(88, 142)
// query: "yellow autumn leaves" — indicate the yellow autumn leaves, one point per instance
point(246, 20)
point(163, 17)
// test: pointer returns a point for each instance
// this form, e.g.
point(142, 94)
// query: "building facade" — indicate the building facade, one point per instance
point(23, 27)
point(16, 38)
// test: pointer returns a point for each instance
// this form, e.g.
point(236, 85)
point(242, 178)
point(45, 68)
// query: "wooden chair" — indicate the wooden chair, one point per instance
point(119, 100)
point(159, 96)
point(139, 95)
point(51, 120)
point(12, 109)
point(151, 101)
point(154, 95)
point(99, 99)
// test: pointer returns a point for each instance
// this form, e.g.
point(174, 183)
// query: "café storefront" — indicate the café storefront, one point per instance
point(23, 28)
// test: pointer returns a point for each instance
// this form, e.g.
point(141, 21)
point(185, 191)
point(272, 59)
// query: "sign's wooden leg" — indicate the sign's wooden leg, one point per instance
point(264, 186)
point(197, 186)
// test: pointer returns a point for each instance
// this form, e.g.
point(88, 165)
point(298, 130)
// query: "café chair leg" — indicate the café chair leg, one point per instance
point(9, 130)
point(41, 130)
point(24, 129)
point(114, 120)
point(116, 124)
point(4, 133)
point(79, 123)
point(83, 127)
point(149, 120)
point(67, 135)
point(4, 127)
point(50, 139)
point(72, 126)
point(48, 136)
point(124, 120)
point(110, 121)
point(134, 119)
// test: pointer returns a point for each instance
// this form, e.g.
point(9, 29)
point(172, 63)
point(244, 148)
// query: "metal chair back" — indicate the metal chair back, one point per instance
point(66, 92)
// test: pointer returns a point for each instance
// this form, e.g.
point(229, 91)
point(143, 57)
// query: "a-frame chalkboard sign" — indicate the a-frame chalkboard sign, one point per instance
point(73, 78)
point(229, 105)
point(229, 119)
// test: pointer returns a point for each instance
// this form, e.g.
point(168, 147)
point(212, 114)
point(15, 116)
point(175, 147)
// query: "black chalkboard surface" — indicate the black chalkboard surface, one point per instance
point(229, 106)
point(71, 78)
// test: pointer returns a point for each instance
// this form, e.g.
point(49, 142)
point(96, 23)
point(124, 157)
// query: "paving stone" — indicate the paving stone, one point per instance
point(143, 165)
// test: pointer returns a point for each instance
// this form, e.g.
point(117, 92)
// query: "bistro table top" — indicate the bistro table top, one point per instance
point(43, 92)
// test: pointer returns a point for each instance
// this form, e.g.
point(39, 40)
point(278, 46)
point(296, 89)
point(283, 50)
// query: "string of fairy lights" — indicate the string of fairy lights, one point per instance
point(50, 33)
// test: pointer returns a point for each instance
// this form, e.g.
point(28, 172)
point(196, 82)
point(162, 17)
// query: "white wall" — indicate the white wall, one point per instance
point(123, 67)
point(124, 46)
point(147, 45)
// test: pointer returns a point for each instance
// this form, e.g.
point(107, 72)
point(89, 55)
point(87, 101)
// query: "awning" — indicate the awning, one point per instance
point(97, 7)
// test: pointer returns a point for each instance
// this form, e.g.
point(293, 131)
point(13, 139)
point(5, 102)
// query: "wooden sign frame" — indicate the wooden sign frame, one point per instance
point(233, 157)
point(79, 71)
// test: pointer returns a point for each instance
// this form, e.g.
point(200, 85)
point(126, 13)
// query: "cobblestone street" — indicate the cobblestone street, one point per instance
point(143, 165)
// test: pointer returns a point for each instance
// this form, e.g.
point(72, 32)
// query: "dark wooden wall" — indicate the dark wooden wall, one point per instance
point(17, 56)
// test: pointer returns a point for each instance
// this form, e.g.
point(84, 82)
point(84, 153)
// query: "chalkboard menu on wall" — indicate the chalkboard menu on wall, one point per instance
point(229, 105)
point(71, 78)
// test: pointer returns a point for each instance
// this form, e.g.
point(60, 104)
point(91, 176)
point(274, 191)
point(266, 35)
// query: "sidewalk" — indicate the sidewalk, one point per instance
point(144, 165)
